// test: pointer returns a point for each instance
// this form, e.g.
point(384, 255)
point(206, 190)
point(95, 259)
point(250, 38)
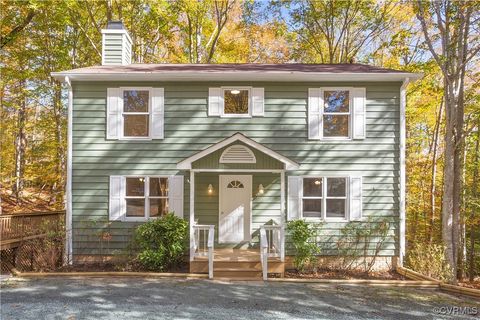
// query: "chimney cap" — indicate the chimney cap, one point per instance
point(115, 25)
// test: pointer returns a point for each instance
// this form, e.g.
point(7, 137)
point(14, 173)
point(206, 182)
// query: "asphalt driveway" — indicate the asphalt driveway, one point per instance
point(132, 298)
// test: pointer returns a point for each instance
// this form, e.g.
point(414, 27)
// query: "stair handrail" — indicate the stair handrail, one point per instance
point(264, 252)
point(211, 240)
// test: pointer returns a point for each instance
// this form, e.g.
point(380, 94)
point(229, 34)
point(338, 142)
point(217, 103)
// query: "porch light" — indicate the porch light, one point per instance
point(317, 182)
point(235, 91)
point(210, 189)
point(260, 189)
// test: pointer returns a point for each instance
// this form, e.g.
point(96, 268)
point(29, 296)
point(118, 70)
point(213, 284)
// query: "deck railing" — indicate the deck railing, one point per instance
point(203, 240)
point(25, 226)
point(272, 245)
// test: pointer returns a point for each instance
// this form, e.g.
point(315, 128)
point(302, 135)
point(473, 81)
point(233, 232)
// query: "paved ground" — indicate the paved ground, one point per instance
point(120, 298)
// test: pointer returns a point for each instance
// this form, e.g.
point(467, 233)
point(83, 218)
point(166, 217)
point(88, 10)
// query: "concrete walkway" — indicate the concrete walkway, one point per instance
point(131, 298)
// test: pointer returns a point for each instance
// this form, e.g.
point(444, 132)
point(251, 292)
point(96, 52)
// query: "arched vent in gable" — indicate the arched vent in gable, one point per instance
point(237, 154)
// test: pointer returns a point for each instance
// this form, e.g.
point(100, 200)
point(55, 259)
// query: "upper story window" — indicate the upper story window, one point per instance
point(336, 113)
point(136, 113)
point(236, 102)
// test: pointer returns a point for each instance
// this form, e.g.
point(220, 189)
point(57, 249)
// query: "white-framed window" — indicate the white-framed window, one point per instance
point(337, 109)
point(336, 113)
point(324, 198)
point(236, 102)
point(141, 197)
point(136, 111)
point(146, 197)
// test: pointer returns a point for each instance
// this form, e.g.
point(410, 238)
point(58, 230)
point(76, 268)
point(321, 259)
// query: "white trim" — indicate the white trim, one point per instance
point(236, 115)
point(277, 76)
point(187, 163)
point(324, 198)
point(246, 149)
point(349, 113)
point(239, 170)
point(149, 112)
point(403, 106)
point(192, 215)
point(146, 196)
point(68, 211)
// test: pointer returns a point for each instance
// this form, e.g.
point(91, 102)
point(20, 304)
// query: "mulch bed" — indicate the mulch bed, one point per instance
point(112, 267)
point(326, 273)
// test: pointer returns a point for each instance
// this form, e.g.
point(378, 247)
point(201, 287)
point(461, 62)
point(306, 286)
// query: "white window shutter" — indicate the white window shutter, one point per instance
point(355, 198)
point(114, 113)
point(359, 113)
point(175, 195)
point(294, 197)
point(117, 204)
point(258, 104)
point(158, 111)
point(215, 101)
point(315, 113)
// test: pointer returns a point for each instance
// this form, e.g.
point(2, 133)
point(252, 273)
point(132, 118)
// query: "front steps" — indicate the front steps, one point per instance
point(236, 264)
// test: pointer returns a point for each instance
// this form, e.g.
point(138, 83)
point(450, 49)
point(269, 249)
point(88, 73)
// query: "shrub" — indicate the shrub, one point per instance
point(302, 234)
point(361, 243)
point(161, 242)
point(429, 259)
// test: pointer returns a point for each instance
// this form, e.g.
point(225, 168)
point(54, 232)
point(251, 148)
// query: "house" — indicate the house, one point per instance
point(236, 149)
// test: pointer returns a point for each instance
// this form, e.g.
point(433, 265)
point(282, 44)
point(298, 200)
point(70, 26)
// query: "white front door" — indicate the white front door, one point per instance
point(235, 208)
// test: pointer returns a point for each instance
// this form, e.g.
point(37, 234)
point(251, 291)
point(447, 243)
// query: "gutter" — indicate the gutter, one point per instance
point(403, 133)
point(68, 189)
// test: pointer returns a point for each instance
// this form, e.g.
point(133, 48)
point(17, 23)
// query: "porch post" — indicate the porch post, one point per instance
point(192, 214)
point(282, 220)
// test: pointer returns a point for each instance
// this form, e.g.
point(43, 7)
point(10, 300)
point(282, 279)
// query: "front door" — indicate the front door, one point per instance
point(235, 208)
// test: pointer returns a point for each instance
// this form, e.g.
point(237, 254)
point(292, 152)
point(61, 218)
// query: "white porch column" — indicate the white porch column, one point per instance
point(282, 220)
point(192, 213)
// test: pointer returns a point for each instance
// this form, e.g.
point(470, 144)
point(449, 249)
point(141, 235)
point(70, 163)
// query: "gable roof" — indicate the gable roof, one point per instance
point(186, 164)
point(237, 72)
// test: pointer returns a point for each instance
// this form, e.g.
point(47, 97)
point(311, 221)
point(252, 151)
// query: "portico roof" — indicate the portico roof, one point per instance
point(186, 164)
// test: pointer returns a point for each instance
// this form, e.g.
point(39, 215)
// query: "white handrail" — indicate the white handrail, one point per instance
point(272, 245)
point(211, 240)
point(203, 245)
point(264, 252)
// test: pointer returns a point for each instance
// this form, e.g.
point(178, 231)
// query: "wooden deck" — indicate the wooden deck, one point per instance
point(236, 264)
point(18, 228)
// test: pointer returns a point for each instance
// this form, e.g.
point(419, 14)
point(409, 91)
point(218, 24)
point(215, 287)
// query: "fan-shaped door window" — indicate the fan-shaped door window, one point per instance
point(235, 184)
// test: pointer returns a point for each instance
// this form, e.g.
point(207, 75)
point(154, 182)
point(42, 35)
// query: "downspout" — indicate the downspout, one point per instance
point(403, 133)
point(68, 187)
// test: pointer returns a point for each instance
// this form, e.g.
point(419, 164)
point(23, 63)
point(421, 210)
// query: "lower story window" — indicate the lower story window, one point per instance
point(324, 197)
point(146, 197)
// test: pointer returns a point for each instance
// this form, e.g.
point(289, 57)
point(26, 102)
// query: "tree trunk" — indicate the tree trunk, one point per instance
point(433, 186)
point(20, 145)
point(448, 233)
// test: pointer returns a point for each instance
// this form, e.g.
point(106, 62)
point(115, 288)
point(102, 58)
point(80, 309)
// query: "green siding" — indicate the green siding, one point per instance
point(188, 130)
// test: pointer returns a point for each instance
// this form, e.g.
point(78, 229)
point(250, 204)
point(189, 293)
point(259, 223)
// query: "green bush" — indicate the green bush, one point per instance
point(429, 259)
point(302, 234)
point(161, 242)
